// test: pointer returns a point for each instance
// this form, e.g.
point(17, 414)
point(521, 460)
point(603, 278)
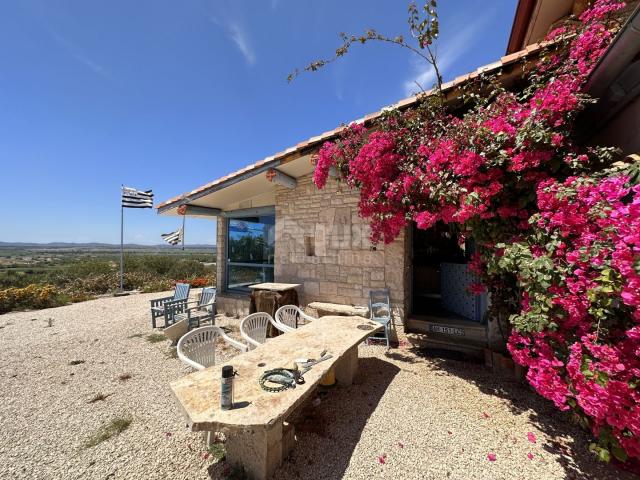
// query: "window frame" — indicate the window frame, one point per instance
point(238, 215)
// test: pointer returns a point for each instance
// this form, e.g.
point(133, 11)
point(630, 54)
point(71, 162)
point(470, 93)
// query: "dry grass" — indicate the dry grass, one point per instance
point(172, 353)
point(99, 397)
point(111, 429)
point(156, 338)
point(217, 451)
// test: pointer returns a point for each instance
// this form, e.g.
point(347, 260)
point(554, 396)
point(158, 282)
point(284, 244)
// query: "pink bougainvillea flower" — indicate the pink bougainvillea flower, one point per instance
point(401, 445)
point(167, 434)
point(492, 457)
point(477, 288)
point(425, 220)
point(205, 455)
point(530, 456)
point(524, 192)
point(382, 459)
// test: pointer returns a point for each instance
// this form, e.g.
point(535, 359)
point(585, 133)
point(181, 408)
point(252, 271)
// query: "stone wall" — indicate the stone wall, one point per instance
point(221, 253)
point(233, 304)
point(322, 243)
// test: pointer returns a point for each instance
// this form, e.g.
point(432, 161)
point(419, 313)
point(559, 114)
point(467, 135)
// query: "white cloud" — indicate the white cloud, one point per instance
point(76, 52)
point(241, 39)
point(452, 50)
point(238, 35)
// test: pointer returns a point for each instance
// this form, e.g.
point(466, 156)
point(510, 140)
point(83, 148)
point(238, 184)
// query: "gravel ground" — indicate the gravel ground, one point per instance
point(407, 417)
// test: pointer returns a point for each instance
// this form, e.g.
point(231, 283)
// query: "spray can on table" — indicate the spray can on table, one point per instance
point(226, 388)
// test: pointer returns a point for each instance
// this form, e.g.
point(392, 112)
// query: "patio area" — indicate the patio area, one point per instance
point(69, 371)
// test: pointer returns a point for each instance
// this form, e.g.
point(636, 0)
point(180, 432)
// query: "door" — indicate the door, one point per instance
point(440, 279)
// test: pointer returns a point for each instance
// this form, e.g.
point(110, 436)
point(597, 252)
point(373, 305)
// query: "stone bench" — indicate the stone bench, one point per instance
point(326, 309)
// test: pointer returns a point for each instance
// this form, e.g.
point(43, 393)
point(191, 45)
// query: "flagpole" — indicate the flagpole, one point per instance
point(121, 243)
point(183, 217)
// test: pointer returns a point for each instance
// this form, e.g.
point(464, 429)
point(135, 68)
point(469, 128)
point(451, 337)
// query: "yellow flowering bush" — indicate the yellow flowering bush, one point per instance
point(30, 297)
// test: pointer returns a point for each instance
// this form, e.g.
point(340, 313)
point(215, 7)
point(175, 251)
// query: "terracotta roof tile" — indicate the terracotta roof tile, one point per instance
point(474, 74)
point(462, 78)
point(406, 101)
point(535, 47)
point(513, 57)
point(448, 85)
point(490, 67)
point(312, 141)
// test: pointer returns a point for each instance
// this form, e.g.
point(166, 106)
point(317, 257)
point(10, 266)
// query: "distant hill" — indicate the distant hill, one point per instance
point(99, 246)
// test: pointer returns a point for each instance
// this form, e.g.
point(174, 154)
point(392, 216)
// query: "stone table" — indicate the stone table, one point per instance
point(275, 287)
point(254, 428)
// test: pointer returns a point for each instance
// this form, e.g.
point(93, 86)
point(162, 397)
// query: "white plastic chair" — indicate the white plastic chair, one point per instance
point(198, 347)
point(289, 316)
point(253, 328)
point(283, 327)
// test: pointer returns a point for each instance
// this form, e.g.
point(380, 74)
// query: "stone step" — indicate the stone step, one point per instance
point(454, 330)
point(420, 340)
point(447, 333)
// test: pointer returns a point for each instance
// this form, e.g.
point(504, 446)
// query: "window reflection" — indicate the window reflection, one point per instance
point(250, 250)
point(239, 277)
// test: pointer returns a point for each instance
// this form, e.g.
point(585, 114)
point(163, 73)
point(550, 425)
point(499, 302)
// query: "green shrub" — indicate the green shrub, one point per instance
point(187, 269)
point(84, 279)
point(85, 268)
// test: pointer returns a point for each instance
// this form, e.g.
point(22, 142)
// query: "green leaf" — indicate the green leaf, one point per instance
point(603, 454)
point(619, 453)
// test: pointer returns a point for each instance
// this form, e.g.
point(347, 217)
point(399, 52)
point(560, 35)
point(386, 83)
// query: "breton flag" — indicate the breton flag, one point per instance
point(132, 198)
point(173, 238)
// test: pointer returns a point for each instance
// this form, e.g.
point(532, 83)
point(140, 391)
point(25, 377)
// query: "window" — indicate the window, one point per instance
point(250, 251)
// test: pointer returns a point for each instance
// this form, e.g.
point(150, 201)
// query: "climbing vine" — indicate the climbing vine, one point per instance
point(556, 224)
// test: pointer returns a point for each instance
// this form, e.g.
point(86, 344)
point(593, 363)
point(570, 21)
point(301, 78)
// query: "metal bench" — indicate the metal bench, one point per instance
point(181, 294)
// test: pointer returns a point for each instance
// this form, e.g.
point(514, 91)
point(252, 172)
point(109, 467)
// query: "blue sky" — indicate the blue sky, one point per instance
point(171, 95)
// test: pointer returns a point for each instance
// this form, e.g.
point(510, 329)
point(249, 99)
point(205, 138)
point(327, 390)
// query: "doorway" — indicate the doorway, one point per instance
point(440, 279)
point(431, 249)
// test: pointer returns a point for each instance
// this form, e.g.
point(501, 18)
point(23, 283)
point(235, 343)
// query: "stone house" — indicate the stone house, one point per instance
point(273, 224)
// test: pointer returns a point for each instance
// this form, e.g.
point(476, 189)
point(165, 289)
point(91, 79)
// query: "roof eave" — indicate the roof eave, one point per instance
point(521, 21)
point(615, 80)
point(185, 199)
point(451, 90)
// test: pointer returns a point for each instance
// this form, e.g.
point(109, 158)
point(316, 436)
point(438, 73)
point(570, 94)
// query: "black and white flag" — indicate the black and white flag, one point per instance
point(132, 198)
point(173, 238)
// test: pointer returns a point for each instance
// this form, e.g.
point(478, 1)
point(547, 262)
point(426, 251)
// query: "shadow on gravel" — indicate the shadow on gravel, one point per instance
point(328, 433)
point(575, 458)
